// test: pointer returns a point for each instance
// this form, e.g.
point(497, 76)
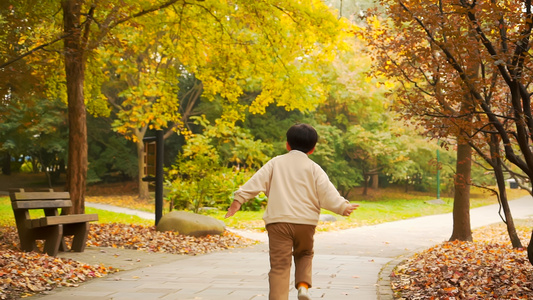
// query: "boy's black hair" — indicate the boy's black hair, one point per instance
point(302, 137)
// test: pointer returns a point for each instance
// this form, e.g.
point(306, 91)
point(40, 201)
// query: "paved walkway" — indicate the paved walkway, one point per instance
point(349, 264)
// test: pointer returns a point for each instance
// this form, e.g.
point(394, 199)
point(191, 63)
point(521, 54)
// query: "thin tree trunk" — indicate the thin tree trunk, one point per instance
point(511, 230)
point(375, 181)
point(144, 192)
point(75, 76)
point(6, 166)
point(500, 180)
point(365, 188)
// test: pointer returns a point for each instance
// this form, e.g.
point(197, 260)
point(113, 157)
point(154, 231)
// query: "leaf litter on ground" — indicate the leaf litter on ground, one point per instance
point(27, 273)
point(487, 268)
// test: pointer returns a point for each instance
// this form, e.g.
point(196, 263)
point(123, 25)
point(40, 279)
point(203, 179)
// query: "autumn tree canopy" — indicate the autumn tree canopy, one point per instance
point(478, 47)
point(269, 46)
point(466, 70)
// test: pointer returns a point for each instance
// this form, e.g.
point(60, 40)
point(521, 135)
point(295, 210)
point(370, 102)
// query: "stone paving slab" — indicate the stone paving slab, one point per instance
point(229, 275)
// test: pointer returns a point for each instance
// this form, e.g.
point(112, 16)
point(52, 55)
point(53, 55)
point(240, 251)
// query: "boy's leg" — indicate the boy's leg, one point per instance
point(280, 240)
point(303, 253)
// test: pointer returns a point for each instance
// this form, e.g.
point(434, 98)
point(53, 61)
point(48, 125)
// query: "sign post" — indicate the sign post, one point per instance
point(153, 169)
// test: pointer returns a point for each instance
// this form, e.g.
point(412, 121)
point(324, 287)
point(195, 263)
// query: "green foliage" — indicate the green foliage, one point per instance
point(234, 145)
point(258, 203)
point(37, 131)
point(111, 157)
point(330, 154)
point(199, 187)
point(202, 177)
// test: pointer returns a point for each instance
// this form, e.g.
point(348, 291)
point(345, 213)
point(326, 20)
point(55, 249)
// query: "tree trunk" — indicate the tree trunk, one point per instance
point(500, 180)
point(461, 201)
point(375, 181)
point(144, 192)
point(511, 230)
point(530, 249)
point(75, 76)
point(6, 165)
point(365, 188)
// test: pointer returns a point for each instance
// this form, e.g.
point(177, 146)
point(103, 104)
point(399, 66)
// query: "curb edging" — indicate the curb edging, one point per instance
point(383, 285)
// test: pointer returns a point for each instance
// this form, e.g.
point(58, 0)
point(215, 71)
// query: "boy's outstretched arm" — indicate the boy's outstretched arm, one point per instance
point(350, 209)
point(233, 208)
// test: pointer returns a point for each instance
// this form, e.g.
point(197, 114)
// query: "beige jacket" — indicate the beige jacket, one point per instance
point(296, 187)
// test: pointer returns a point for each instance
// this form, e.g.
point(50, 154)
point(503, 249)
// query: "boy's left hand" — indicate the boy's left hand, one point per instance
point(348, 211)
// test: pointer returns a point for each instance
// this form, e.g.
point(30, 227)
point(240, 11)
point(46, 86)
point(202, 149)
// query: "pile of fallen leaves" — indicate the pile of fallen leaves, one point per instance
point(145, 238)
point(23, 273)
point(488, 268)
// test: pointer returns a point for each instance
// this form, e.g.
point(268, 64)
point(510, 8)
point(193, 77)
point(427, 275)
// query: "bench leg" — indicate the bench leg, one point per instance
point(27, 241)
point(26, 235)
point(62, 245)
point(53, 236)
point(80, 232)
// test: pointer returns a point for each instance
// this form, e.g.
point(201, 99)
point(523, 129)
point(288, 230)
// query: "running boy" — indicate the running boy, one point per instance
point(297, 188)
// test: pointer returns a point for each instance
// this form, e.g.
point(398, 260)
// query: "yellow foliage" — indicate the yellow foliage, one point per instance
point(274, 48)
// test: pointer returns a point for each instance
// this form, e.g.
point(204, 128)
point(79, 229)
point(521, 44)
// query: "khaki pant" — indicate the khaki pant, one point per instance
point(285, 241)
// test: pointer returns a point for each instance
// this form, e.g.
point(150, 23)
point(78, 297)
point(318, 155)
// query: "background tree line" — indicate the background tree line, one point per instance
point(138, 79)
point(225, 79)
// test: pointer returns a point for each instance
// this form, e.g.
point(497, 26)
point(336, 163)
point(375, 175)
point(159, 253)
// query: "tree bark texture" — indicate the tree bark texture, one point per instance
point(75, 75)
point(461, 202)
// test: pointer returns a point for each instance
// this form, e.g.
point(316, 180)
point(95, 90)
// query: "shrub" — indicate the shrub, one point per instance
point(212, 166)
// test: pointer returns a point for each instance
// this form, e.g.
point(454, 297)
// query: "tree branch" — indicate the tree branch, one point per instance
point(86, 35)
point(7, 63)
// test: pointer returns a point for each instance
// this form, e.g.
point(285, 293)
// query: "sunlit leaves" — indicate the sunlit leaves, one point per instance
point(272, 48)
point(276, 45)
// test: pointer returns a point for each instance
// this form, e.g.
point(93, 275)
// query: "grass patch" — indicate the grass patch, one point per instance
point(385, 205)
point(6, 213)
point(7, 218)
point(105, 216)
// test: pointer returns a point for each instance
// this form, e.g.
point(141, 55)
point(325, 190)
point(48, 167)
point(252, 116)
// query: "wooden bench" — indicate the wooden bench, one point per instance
point(53, 227)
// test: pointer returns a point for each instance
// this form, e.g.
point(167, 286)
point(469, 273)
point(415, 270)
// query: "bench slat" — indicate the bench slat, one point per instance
point(67, 219)
point(36, 204)
point(25, 196)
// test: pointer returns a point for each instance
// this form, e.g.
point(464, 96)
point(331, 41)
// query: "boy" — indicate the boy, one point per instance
point(297, 188)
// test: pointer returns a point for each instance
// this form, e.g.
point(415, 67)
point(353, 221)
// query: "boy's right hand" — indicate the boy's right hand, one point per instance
point(348, 211)
point(234, 207)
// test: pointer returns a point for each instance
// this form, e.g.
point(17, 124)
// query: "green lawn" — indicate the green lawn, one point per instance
point(386, 206)
point(104, 216)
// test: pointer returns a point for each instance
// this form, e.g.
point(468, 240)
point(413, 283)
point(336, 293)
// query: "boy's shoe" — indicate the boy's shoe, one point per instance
point(303, 294)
